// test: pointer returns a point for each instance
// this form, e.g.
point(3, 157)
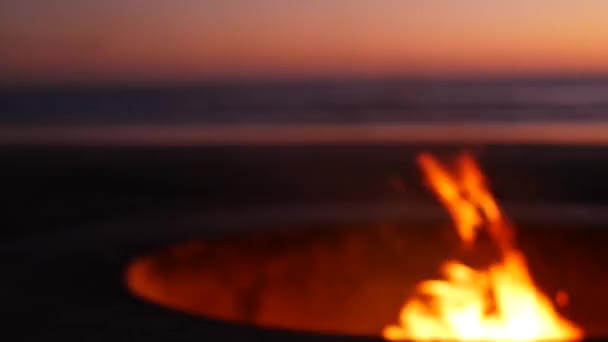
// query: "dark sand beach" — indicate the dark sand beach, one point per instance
point(75, 216)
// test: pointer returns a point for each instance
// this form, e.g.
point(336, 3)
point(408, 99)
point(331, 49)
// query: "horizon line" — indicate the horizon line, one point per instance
point(481, 77)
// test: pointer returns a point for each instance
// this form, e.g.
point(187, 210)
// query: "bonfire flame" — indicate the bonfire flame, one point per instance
point(499, 303)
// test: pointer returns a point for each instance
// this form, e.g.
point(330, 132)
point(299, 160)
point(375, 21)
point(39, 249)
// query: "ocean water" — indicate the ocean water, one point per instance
point(319, 102)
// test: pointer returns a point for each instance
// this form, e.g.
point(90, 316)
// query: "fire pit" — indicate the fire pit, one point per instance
point(546, 284)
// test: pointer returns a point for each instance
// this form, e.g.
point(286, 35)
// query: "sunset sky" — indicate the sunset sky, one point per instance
point(42, 40)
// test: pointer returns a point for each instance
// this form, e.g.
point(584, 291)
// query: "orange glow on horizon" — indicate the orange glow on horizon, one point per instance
point(269, 38)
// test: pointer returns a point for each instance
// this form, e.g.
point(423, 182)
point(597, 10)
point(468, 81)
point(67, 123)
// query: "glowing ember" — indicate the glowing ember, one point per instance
point(498, 303)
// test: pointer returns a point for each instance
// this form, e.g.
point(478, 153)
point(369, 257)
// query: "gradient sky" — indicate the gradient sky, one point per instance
point(43, 40)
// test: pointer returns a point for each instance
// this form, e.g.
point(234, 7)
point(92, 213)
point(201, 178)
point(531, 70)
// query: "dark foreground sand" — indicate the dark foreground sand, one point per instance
point(75, 217)
point(53, 188)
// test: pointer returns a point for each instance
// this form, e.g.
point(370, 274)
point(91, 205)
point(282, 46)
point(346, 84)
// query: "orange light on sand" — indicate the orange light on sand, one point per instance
point(498, 303)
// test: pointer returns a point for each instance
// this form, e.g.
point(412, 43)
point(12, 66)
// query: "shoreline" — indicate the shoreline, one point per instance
point(542, 133)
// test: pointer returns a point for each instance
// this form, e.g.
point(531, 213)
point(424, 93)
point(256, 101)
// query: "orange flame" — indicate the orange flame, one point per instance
point(500, 303)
